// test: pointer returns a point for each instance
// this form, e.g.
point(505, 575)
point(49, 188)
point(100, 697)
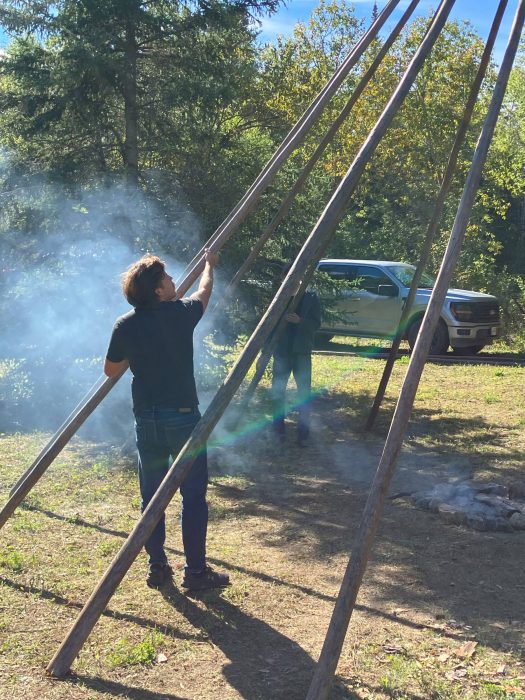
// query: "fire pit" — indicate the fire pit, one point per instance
point(481, 506)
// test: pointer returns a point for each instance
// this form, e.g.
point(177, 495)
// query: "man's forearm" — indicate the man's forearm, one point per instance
point(205, 285)
point(206, 280)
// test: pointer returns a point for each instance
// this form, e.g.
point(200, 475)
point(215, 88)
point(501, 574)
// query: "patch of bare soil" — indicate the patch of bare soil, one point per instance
point(440, 615)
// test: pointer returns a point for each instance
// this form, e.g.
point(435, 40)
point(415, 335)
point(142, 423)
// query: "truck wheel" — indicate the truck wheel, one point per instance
point(440, 341)
point(469, 350)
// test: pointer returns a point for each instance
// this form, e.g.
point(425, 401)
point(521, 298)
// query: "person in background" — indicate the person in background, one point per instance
point(293, 355)
point(155, 340)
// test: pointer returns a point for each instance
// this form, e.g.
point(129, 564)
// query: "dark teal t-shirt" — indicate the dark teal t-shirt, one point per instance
point(158, 343)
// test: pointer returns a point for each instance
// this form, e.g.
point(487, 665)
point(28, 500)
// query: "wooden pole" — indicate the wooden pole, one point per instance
point(290, 143)
point(55, 446)
point(438, 212)
point(267, 352)
point(217, 240)
point(58, 434)
point(314, 158)
point(333, 643)
point(315, 243)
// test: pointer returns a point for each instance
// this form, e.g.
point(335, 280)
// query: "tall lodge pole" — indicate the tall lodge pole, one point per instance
point(290, 143)
point(99, 391)
point(437, 213)
point(319, 237)
point(55, 446)
point(344, 606)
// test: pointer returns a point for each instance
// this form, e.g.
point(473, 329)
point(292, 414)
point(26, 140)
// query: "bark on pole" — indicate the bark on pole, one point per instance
point(437, 213)
point(344, 606)
point(217, 240)
point(317, 240)
point(314, 158)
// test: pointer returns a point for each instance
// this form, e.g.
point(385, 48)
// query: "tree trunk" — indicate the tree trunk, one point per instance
point(129, 88)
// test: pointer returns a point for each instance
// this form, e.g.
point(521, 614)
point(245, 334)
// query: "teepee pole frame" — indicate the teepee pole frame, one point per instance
point(331, 650)
point(433, 226)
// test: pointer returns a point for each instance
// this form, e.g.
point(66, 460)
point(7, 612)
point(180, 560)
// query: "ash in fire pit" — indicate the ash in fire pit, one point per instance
point(487, 506)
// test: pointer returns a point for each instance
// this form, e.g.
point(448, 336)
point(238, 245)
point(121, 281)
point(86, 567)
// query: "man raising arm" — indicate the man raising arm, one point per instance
point(156, 340)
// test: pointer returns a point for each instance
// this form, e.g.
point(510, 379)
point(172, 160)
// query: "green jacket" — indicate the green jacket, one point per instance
point(298, 338)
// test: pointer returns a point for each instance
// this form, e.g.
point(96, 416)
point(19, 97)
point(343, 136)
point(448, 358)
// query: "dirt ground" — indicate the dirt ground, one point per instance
point(440, 615)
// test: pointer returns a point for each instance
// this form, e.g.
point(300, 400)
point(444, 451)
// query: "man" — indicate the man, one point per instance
point(293, 354)
point(156, 341)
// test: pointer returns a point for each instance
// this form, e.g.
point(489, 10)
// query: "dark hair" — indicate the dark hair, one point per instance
point(141, 279)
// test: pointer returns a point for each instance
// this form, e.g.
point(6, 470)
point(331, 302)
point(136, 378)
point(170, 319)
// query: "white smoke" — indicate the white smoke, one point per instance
point(61, 295)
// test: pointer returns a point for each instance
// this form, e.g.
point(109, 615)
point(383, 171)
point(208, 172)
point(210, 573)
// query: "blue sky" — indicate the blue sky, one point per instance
point(479, 13)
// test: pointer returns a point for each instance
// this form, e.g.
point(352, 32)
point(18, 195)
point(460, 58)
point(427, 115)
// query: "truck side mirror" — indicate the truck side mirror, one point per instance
point(387, 290)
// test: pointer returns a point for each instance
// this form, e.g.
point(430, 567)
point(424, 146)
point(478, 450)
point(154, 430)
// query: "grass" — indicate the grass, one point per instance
point(12, 560)
point(282, 522)
point(125, 653)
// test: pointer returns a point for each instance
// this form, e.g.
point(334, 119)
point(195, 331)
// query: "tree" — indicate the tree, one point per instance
point(388, 213)
point(81, 71)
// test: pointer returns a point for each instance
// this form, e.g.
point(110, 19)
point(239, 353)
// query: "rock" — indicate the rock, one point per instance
point(505, 506)
point(420, 500)
point(477, 522)
point(485, 499)
point(517, 520)
point(481, 506)
point(489, 524)
point(451, 514)
point(465, 488)
point(492, 488)
point(499, 525)
point(433, 504)
point(517, 489)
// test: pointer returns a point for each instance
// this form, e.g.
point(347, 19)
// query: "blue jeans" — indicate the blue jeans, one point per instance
point(161, 433)
point(300, 364)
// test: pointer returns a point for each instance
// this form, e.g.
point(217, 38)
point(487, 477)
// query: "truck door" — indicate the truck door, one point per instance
point(378, 314)
point(339, 312)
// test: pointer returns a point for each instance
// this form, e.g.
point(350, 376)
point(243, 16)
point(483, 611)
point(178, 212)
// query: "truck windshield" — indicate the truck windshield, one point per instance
point(405, 275)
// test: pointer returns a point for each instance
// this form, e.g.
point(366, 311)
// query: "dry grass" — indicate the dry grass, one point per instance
point(282, 523)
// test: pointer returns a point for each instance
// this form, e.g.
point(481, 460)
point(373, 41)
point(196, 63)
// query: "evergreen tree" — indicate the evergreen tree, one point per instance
point(84, 73)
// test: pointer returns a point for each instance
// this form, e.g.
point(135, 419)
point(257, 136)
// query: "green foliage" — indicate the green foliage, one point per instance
point(125, 653)
point(389, 213)
point(180, 99)
point(491, 691)
point(131, 88)
point(12, 559)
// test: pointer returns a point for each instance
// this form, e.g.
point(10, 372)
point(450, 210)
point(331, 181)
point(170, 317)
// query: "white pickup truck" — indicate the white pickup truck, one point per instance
point(372, 307)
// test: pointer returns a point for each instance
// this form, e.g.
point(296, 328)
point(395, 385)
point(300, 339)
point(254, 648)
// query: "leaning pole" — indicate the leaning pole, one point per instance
point(435, 220)
point(302, 178)
point(344, 606)
point(55, 446)
point(320, 235)
point(232, 222)
point(292, 140)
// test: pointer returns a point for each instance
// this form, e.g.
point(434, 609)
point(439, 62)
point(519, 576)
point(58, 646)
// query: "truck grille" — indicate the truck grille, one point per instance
point(485, 312)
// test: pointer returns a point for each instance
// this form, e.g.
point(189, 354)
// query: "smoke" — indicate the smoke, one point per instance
point(61, 254)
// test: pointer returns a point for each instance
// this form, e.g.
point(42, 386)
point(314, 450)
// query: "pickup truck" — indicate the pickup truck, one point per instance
point(371, 307)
